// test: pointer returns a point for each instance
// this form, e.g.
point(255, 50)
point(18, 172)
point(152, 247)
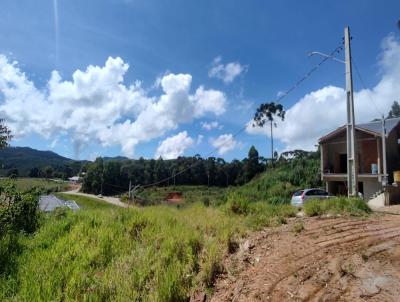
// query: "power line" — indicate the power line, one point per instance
point(309, 73)
point(277, 100)
point(365, 88)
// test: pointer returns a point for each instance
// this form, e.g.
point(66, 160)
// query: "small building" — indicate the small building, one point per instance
point(75, 179)
point(369, 160)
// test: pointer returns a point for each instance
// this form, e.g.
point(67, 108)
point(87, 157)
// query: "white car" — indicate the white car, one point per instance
point(299, 197)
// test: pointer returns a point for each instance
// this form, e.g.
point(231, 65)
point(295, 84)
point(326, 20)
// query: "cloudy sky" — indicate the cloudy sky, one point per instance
point(169, 78)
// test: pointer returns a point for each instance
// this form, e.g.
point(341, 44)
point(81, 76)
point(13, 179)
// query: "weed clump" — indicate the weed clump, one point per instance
point(298, 227)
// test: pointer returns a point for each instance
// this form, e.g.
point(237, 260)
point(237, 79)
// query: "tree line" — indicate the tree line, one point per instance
point(113, 177)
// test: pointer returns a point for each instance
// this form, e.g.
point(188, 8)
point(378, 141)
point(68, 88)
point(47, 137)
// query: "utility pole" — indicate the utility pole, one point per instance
point(385, 176)
point(130, 186)
point(352, 183)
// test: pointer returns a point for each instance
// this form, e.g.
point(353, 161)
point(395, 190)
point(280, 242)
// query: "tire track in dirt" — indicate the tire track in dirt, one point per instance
point(321, 256)
point(319, 292)
point(389, 235)
point(269, 279)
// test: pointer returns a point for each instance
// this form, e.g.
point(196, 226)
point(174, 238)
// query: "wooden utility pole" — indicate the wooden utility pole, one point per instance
point(352, 183)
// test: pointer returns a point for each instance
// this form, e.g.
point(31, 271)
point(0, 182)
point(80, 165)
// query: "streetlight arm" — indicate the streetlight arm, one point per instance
point(326, 56)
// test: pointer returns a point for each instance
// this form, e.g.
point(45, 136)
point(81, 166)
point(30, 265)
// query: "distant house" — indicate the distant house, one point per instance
point(369, 160)
point(75, 179)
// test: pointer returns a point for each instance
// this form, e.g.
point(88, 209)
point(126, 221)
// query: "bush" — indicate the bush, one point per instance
point(18, 214)
point(18, 211)
point(335, 206)
point(238, 204)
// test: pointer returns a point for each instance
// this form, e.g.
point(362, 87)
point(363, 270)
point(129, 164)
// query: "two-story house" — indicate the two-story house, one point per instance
point(369, 159)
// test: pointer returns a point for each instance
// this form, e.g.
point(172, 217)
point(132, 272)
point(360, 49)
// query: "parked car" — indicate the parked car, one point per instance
point(299, 197)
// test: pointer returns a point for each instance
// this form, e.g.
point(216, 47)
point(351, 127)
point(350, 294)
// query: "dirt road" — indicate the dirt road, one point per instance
point(112, 200)
point(330, 260)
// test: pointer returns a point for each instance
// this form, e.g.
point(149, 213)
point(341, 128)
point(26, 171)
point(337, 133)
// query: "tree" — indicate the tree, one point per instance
point(5, 135)
point(266, 113)
point(252, 166)
point(160, 171)
point(47, 172)
point(13, 173)
point(94, 178)
point(34, 172)
point(395, 110)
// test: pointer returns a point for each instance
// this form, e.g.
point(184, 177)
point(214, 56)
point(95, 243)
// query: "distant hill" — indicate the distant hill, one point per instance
point(115, 158)
point(24, 159)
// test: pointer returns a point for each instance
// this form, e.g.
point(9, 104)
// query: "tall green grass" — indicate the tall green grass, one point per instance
point(152, 254)
point(335, 206)
point(258, 213)
point(155, 253)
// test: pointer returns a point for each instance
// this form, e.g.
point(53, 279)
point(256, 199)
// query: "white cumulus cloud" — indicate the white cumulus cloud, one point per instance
point(323, 110)
point(211, 125)
point(224, 143)
point(174, 146)
point(96, 105)
point(225, 72)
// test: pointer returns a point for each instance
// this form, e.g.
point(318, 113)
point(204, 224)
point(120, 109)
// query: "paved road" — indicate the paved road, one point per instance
point(112, 200)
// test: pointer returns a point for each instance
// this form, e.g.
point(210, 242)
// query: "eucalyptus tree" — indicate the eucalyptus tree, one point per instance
point(267, 113)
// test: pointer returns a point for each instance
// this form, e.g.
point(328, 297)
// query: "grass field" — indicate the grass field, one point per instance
point(44, 185)
point(105, 253)
point(86, 203)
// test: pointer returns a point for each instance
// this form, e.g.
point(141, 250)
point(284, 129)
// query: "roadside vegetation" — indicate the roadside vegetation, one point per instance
point(337, 206)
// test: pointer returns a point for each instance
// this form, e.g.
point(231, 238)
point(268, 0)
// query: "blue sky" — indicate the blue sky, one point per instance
point(266, 43)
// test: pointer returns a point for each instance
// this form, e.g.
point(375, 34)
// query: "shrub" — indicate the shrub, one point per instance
point(206, 201)
point(238, 204)
point(18, 214)
point(18, 211)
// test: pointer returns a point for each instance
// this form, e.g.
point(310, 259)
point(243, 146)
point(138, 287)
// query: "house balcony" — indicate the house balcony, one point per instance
point(343, 176)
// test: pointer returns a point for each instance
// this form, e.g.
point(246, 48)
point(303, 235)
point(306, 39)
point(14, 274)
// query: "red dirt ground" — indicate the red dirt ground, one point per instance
point(331, 259)
point(174, 198)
